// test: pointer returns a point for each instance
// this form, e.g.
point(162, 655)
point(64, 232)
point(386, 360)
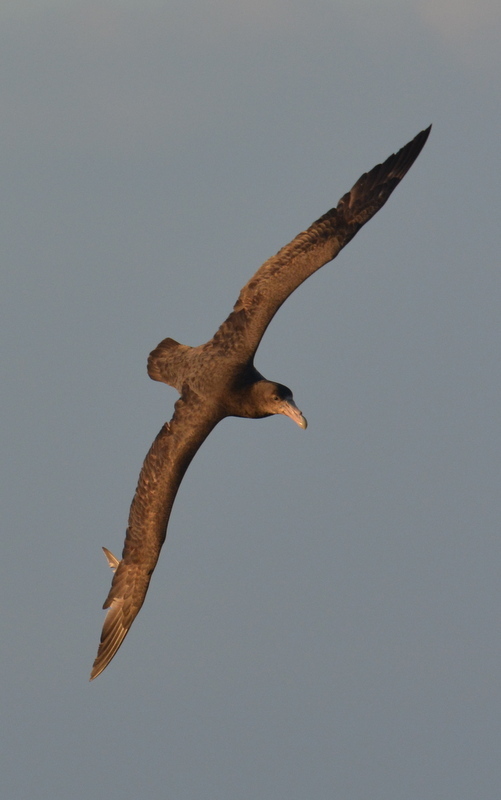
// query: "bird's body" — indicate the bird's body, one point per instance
point(218, 379)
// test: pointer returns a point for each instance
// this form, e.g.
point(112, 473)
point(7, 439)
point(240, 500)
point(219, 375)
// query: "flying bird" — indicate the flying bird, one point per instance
point(218, 379)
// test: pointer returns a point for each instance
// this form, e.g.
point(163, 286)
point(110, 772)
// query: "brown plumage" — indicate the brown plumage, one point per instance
point(218, 379)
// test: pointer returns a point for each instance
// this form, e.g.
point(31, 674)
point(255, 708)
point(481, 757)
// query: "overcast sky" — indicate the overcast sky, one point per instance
point(324, 619)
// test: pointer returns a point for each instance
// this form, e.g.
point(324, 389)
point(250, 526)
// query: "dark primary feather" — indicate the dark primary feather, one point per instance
point(218, 379)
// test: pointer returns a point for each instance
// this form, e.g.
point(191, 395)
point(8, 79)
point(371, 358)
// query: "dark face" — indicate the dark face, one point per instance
point(274, 398)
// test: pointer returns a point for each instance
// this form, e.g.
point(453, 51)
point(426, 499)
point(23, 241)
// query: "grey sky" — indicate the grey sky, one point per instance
point(324, 619)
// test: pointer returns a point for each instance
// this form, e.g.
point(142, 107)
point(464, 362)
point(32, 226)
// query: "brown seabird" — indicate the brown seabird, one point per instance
point(218, 379)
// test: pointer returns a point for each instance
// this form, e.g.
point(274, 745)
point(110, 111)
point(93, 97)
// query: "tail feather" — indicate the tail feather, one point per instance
point(166, 363)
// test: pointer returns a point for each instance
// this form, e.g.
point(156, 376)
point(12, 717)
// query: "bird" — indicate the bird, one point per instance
point(218, 379)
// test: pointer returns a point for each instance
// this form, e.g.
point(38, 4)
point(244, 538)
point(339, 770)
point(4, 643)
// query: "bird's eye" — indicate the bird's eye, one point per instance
point(275, 398)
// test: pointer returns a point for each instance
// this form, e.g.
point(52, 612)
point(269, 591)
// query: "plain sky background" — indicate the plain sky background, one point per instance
point(324, 619)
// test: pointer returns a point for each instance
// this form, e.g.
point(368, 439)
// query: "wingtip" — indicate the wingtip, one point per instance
point(407, 155)
point(424, 133)
point(102, 661)
point(94, 673)
point(113, 633)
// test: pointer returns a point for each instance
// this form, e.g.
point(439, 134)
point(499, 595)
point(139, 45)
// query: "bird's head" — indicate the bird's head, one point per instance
point(274, 398)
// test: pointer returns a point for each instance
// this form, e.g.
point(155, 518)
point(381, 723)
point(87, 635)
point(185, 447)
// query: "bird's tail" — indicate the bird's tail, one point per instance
point(167, 363)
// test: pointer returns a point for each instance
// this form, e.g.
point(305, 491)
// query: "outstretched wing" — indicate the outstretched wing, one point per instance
point(159, 480)
point(272, 284)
